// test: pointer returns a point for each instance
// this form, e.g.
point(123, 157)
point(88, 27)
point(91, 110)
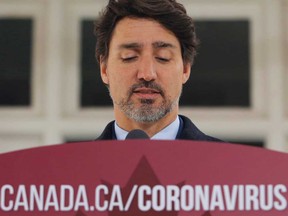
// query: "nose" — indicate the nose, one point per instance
point(146, 69)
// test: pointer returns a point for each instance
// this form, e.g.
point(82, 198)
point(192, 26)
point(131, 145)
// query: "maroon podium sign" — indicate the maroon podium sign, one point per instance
point(140, 177)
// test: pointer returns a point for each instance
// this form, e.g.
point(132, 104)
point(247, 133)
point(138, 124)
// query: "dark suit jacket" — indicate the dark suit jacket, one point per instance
point(187, 131)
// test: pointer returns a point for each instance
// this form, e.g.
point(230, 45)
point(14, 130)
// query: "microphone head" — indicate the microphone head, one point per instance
point(137, 134)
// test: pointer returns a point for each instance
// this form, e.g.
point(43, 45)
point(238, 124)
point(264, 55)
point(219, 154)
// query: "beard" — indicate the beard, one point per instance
point(147, 112)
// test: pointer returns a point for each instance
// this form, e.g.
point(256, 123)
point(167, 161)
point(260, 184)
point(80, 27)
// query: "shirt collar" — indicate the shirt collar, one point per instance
point(168, 133)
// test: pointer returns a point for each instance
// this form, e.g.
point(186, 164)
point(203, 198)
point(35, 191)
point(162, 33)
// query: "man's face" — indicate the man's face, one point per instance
point(144, 70)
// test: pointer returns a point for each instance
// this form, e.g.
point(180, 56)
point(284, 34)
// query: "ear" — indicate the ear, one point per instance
point(186, 72)
point(103, 71)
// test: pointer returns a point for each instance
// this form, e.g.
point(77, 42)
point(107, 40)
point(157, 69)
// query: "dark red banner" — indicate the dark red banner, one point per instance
point(134, 178)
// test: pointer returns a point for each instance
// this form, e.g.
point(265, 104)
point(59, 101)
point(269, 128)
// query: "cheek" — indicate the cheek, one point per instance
point(173, 86)
point(119, 84)
point(178, 80)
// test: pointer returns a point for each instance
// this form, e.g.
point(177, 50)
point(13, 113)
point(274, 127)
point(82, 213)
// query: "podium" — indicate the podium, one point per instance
point(144, 177)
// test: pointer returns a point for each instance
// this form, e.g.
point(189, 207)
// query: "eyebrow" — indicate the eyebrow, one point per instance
point(162, 44)
point(156, 45)
point(130, 46)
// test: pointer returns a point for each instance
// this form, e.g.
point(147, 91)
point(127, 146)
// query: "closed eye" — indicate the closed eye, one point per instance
point(164, 60)
point(129, 59)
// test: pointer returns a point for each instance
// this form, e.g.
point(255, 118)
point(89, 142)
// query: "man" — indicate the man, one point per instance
point(146, 49)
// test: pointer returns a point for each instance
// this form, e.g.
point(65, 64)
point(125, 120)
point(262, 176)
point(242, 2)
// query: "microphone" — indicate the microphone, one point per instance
point(137, 134)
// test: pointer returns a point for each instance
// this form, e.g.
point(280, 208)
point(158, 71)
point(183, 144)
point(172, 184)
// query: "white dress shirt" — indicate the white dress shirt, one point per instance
point(167, 133)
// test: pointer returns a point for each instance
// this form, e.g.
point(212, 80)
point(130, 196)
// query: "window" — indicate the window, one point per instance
point(15, 65)
point(93, 91)
point(220, 75)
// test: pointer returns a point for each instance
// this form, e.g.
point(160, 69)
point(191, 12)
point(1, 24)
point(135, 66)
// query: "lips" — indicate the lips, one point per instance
point(146, 90)
point(146, 93)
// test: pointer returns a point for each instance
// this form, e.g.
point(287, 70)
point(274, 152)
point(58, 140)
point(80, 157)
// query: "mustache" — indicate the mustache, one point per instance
point(145, 84)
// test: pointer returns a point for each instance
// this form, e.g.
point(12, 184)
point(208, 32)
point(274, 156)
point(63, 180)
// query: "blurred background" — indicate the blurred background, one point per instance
point(51, 92)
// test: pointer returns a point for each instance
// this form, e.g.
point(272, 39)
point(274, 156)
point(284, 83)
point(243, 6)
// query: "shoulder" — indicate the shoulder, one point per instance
point(108, 133)
point(191, 132)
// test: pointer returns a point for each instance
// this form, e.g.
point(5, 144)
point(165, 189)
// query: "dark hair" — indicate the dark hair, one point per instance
point(168, 13)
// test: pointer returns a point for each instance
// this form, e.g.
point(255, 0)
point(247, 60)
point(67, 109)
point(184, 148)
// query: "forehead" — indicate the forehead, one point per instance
point(143, 31)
